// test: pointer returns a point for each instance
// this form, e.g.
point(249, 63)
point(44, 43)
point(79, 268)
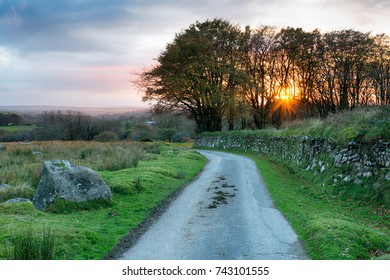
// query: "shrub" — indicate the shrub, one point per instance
point(106, 136)
point(166, 134)
point(180, 137)
point(143, 133)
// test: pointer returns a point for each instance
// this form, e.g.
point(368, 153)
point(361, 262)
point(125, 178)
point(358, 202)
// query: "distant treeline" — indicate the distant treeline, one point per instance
point(52, 125)
point(250, 78)
point(74, 125)
point(9, 119)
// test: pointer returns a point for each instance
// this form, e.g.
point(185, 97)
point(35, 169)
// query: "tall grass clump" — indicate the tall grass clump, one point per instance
point(22, 190)
point(120, 157)
point(138, 184)
point(29, 245)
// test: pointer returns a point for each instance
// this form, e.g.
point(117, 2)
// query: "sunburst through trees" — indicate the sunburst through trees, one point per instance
point(224, 76)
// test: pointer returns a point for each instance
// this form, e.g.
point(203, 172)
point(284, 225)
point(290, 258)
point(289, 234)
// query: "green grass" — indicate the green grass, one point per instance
point(361, 124)
point(21, 163)
point(91, 234)
point(16, 128)
point(330, 229)
point(30, 245)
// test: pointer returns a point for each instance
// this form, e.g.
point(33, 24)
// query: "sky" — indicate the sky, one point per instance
point(85, 52)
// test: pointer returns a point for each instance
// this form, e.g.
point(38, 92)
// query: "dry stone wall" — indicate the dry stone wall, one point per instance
point(364, 164)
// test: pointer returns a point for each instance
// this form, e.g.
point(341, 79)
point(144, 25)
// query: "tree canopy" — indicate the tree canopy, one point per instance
point(249, 78)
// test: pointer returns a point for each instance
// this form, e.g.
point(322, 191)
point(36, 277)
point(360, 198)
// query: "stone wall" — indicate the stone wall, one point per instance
point(362, 164)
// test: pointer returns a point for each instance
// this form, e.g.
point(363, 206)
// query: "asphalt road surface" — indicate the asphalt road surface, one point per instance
point(226, 213)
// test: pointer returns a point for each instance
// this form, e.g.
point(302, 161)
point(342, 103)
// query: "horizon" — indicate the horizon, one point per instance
point(91, 111)
point(76, 106)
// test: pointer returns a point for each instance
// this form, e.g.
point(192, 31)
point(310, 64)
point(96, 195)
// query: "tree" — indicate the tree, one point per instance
point(348, 52)
point(9, 118)
point(259, 68)
point(380, 69)
point(199, 73)
point(220, 74)
point(65, 126)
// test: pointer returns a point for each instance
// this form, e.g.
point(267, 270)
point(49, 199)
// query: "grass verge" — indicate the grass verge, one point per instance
point(92, 233)
point(29, 245)
point(330, 229)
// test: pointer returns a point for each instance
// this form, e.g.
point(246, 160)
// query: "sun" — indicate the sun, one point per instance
point(285, 101)
point(287, 93)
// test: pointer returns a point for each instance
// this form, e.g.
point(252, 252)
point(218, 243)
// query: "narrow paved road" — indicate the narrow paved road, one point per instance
point(225, 214)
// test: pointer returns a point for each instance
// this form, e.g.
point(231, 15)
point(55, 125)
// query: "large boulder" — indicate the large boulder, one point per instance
point(61, 179)
point(2, 147)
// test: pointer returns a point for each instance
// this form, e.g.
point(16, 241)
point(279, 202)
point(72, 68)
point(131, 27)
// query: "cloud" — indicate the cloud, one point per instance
point(11, 12)
point(52, 51)
point(362, 15)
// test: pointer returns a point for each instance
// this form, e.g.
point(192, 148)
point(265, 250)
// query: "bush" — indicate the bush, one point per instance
point(166, 134)
point(143, 133)
point(180, 137)
point(106, 136)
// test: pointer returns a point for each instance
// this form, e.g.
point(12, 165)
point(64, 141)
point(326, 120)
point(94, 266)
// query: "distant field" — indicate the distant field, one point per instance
point(16, 128)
